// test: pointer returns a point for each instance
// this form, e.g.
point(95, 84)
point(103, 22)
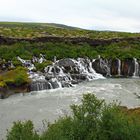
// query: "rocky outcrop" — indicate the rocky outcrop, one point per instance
point(3, 93)
point(73, 40)
point(40, 85)
point(66, 63)
point(117, 67)
point(128, 67)
point(8, 91)
point(102, 66)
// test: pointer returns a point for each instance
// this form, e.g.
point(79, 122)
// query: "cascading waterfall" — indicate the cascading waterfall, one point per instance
point(67, 72)
point(95, 74)
point(136, 68)
point(58, 76)
point(40, 85)
point(85, 67)
point(119, 67)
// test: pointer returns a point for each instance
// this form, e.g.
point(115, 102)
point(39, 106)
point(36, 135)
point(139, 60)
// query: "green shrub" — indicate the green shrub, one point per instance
point(94, 120)
point(61, 50)
point(22, 131)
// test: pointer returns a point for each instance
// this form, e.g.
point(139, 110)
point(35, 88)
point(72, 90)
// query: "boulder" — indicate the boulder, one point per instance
point(67, 62)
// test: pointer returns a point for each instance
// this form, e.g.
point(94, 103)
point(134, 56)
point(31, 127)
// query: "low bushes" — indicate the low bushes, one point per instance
point(27, 50)
point(93, 119)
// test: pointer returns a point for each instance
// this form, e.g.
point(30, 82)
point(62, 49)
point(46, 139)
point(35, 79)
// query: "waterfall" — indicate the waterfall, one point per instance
point(40, 85)
point(51, 87)
point(94, 74)
point(136, 68)
point(119, 67)
point(55, 83)
point(62, 73)
point(85, 67)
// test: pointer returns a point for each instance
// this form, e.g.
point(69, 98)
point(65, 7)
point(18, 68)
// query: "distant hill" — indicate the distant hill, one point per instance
point(32, 30)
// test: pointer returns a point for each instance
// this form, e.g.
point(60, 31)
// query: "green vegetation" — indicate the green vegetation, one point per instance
point(123, 49)
point(61, 50)
point(16, 77)
point(27, 50)
point(41, 66)
point(23, 131)
point(93, 119)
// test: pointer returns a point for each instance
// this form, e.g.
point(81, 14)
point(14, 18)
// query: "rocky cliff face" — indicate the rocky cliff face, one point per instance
point(67, 72)
point(117, 67)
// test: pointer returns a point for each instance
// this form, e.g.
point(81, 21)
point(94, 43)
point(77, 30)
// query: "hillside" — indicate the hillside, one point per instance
point(29, 39)
point(31, 30)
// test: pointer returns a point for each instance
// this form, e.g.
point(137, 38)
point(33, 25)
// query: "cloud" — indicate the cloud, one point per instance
point(120, 15)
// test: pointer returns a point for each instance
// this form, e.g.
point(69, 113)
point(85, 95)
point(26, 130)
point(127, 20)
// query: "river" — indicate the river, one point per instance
point(50, 104)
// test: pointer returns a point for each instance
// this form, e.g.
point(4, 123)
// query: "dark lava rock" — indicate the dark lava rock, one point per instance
point(39, 85)
point(128, 67)
point(114, 67)
point(101, 66)
point(4, 93)
point(79, 77)
point(67, 62)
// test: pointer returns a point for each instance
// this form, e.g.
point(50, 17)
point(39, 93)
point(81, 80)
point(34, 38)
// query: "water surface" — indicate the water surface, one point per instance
point(51, 104)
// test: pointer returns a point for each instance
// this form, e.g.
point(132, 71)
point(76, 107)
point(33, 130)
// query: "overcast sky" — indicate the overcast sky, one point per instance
point(118, 15)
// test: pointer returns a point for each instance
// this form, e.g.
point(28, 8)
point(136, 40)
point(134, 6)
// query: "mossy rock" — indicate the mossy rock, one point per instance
point(16, 77)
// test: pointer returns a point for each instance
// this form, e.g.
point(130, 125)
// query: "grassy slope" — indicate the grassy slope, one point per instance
point(30, 30)
point(122, 49)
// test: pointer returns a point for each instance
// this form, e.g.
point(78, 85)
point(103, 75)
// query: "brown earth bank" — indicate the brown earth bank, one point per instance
point(131, 111)
point(73, 40)
point(5, 92)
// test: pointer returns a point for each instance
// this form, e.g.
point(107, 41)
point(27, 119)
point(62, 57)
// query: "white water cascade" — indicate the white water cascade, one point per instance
point(119, 67)
point(136, 68)
point(65, 73)
point(26, 63)
point(85, 67)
